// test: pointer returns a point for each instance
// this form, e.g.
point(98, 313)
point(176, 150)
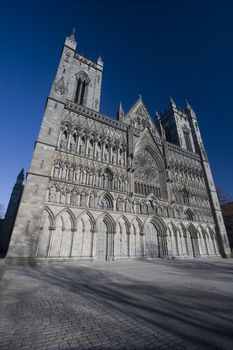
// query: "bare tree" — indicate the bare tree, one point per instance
point(223, 196)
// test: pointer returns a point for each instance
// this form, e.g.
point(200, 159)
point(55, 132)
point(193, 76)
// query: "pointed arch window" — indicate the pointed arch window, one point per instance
point(81, 88)
point(106, 203)
point(188, 140)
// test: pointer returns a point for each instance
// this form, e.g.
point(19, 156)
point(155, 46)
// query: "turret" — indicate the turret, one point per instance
point(120, 112)
point(200, 149)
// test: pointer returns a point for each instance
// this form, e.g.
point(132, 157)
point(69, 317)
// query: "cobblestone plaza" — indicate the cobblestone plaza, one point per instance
point(153, 304)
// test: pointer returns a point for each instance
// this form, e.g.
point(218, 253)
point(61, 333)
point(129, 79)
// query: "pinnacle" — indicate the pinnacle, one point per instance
point(72, 36)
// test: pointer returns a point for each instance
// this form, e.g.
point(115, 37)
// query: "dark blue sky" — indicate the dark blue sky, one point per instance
point(153, 48)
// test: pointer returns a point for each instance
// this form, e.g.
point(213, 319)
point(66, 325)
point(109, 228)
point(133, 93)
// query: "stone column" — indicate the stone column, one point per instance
point(68, 142)
point(94, 150)
point(87, 146)
point(93, 243)
point(110, 153)
point(73, 230)
point(78, 143)
point(190, 246)
point(78, 199)
point(114, 204)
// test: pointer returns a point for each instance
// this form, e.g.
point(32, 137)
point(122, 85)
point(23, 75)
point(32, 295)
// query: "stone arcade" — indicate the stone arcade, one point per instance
point(100, 188)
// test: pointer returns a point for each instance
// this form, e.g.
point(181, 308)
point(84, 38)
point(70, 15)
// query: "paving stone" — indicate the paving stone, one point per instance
point(185, 305)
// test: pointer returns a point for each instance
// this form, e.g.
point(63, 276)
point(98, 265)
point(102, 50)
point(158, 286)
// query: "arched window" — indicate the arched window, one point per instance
point(106, 203)
point(107, 179)
point(188, 215)
point(188, 140)
point(98, 150)
point(106, 153)
point(73, 143)
point(91, 147)
point(63, 142)
point(185, 196)
point(81, 90)
point(114, 155)
point(56, 170)
point(82, 145)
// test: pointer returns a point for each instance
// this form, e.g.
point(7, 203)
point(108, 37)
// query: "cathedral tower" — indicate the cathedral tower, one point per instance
point(101, 188)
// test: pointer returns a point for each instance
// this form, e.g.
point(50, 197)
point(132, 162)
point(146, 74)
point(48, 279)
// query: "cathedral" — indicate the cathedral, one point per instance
point(101, 188)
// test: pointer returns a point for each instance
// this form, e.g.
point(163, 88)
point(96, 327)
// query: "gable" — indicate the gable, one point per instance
point(139, 118)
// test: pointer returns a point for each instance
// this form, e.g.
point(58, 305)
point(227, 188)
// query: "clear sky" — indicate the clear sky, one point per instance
point(158, 49)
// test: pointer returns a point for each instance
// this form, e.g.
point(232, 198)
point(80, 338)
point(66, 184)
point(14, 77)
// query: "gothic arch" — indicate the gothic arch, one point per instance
point(62, 236)
point(183, 239)
point(158, 223)
point(189, 215)
point(91, 217)
point(121, 238)
point(139, 223)
point(106, 201)
point(82, 75)
point(82, 245)
point(154, 152)
point(136, 238)
point(127, 224)
point(192, 230)
point(50, 215)
point(150, 173)
point(71, 214)
point(173, 240)
point(106, 227)
point(194, 240)
point(212, 240)
point(108, 220)
point(82, 82)
point(182, 226)
point(46, 227)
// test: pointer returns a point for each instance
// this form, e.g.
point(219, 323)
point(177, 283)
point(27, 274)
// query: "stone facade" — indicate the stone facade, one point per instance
point(100, 188)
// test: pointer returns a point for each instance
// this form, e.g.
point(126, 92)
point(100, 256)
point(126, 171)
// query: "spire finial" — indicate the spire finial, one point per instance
point(99, 60)
point(72, 36)
point(140, 97)
point(188, 106)
point(172, 102)
point(120, 112)
point(157, 114)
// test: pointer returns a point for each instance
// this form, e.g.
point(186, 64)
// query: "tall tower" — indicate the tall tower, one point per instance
point(101, 188)
point(216, 210)
point(78, 80)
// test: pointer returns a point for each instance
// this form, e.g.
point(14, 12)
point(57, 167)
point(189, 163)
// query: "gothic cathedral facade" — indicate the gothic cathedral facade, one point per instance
point(104, 188)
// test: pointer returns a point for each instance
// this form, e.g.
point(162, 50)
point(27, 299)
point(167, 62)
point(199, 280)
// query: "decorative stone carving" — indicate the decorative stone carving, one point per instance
point(146, 169)
point(59, 86)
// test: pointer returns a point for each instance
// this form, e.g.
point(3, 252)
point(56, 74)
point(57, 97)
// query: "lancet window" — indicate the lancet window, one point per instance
point(188, 140)
point(81, 89)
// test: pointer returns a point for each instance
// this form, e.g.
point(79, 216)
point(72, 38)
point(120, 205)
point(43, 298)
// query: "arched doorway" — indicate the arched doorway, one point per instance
point(101, 244)
point(83, 237)
point(152, 243)
point(121, 239)
point(136, 240)
point(105, 238)
point(46, 227)
point(61, 239)
point(194, 240)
